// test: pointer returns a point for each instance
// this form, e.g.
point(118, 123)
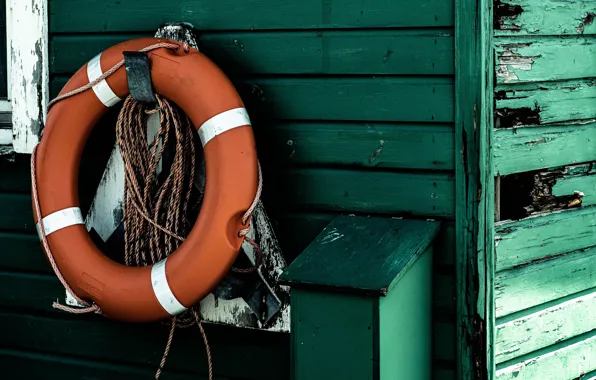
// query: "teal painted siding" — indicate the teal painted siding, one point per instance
point(353, 110)
point(545, 111)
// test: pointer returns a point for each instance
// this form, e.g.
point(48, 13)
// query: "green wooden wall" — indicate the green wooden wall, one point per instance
point(545, 105)
point(353, 109)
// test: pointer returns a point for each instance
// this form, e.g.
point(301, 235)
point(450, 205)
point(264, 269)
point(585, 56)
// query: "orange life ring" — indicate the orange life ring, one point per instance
point(202, 90)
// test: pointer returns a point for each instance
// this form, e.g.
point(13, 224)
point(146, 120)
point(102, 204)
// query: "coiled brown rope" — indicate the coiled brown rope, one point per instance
point(155, 214)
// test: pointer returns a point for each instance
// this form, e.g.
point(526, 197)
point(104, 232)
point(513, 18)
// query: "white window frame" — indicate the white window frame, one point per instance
point(28, 71)
point(5, 105)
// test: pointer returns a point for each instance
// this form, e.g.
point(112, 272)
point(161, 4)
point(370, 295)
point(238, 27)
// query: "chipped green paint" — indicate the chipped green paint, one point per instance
point(545, 103)
point(532, 239)
point(545, 327)
point(532, 285)
point(525, 149)
point(544, 17)
point(567, 360)
point(580, 178)
point(474, 188)
point(522, 60)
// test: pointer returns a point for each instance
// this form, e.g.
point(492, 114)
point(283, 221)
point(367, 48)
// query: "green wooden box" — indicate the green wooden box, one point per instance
point(361, 301)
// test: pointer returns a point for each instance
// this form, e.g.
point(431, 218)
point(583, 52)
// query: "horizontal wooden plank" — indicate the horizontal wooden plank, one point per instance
point(444, 246)
point(543, 17)
point(19, 364)
point(237, 353)
point(366, 191)
point(545, 327)
point(314, 189)
point(357, 144)
point(68, 16)
point(525, 149)
point(422, 99)
point(444, 374)
point(444, 341)
point(532, 285)
point(577, 178)
point(16, 175)
point(36, 292)
point(423, 52)
point(444, 293)
point(22, 252)
point(545, 103)
point(566, 361)
point(17, 213)
point(538, 237)
point(523, 60)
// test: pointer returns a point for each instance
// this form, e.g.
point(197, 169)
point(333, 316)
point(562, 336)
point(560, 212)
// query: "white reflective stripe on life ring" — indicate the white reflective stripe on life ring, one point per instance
point(162, 290)
point(59, 220)
point(102, 90)
point(218, 124)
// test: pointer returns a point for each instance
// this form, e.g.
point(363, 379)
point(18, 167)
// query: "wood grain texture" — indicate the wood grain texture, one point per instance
point(380, 145)
point(536, 238)
point(362, 254)
point(532, 285)
point(425, 99)
point(526, 149)
point(474, 175)
point(67, 16)
point(547, 103)
point(237, 353)
point(544, 17)
point(366, 191)
point(413, 52)
point(523, 60)
point(545, 327)
point(570, 360)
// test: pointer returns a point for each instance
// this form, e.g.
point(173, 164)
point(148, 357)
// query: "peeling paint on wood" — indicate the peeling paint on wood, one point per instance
point(566, 361)
point(29, 77)
point(534, 284)
point(545, 103)
point(6, 141)
point(544, 17)
point(523, 60)
point(538, 237)
point(526, 149)
point(545, 327)
point(577, 178)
